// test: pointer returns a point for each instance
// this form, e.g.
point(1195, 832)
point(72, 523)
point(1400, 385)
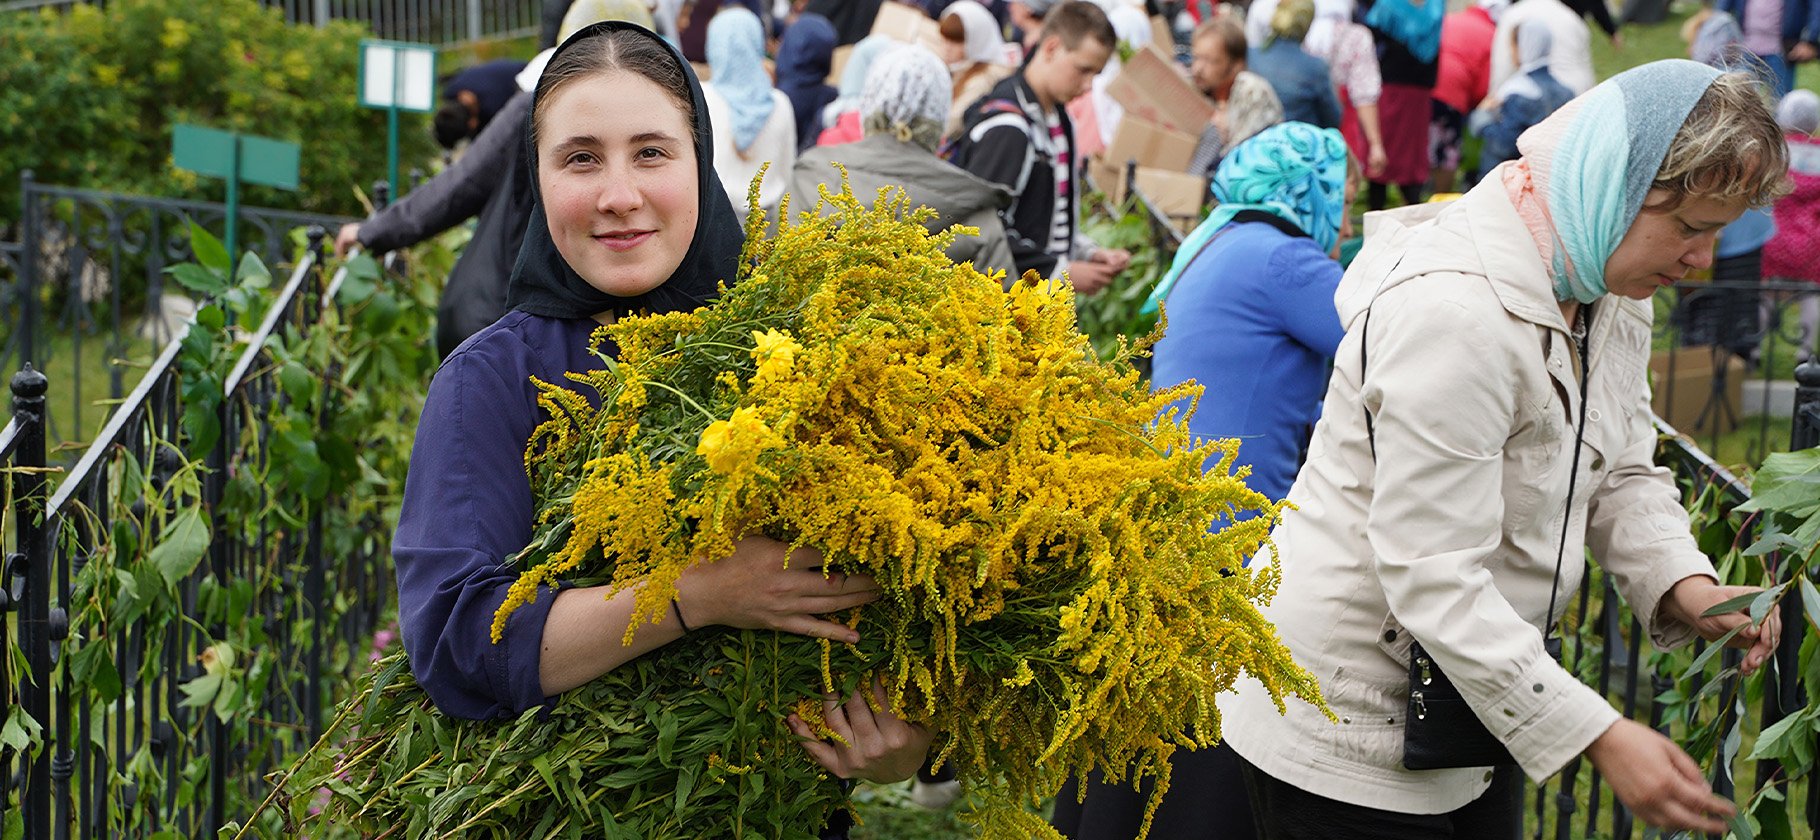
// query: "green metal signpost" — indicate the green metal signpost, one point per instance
point(235, 157)
point(397, 76)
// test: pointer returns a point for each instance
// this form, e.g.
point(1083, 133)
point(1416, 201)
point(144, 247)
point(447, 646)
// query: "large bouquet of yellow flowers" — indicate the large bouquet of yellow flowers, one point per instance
point(1054, 599)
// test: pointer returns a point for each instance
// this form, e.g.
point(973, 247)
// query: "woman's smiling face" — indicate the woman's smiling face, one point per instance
point(617, 167)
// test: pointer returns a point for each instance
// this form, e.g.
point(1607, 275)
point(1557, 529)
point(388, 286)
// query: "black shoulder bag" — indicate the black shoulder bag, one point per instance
point(1440, 730)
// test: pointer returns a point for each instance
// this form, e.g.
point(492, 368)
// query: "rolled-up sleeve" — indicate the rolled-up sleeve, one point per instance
point(1441, 382)
point(467, 508)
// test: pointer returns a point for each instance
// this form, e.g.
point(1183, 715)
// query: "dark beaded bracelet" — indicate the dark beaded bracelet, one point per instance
point(679, 619)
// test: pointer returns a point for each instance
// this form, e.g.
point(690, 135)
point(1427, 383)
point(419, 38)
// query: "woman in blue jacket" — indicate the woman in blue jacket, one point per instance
point(1252, 318)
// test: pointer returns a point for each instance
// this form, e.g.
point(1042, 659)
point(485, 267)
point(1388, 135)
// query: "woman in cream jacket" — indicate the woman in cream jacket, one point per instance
point(1433, 504)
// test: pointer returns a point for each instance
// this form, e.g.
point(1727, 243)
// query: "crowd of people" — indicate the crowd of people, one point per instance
point(1403, 83)
point(1492, 413)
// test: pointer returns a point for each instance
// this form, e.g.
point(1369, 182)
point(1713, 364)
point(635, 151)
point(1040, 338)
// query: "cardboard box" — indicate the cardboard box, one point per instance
point(838, 64)
point(1160, 33)
point(1151, 145)
point(909, 24)
point(1690, 394)
point(1154, 88)
point(1177, 195)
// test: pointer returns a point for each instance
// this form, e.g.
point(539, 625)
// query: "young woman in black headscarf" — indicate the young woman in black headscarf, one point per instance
point(628, 217)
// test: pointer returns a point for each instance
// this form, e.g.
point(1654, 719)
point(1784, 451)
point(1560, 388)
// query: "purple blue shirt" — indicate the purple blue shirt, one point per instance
point(468, 507)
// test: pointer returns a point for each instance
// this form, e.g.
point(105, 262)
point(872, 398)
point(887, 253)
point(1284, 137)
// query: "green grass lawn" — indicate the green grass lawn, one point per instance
point(1646, 43)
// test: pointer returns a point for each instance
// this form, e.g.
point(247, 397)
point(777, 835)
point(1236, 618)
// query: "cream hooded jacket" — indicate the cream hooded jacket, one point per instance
point(1449, 535)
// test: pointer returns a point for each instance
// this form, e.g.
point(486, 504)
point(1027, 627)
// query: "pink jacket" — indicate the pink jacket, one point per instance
point(1794, 252)
point(1465, 70)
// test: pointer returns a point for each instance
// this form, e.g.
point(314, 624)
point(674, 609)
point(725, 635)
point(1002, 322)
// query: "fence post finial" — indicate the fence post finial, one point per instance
point(29, 386)
point(1805, 433)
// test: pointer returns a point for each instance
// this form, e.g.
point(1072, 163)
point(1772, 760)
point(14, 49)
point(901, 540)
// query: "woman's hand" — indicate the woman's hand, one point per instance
point(1659, 781)
point(1689, 599)
point(754, 589)
point(880, 747)
point(1116, 259)
point(1375, 161)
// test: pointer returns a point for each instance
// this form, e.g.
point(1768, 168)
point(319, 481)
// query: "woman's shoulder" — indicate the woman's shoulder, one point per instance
point(516, 345)
point(1275, 259)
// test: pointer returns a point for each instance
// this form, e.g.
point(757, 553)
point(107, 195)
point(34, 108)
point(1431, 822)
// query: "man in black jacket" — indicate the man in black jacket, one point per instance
point(491, 180)
point(1019, 135)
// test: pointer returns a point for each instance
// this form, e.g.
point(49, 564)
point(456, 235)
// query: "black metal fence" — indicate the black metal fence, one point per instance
point(1725, 358)
point(124, 749)
point(90, 264)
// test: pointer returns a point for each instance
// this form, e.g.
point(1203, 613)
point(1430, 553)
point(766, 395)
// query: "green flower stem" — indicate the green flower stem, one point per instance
point(685, 398)
point(1126, 431)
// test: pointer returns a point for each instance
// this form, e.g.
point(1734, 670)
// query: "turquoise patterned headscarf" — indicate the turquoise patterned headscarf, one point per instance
point(1594, 160)
point(1291, 170)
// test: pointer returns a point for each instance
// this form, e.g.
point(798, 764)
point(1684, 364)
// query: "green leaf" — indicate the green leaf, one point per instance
point(1711, 648)
point(208, 250)
point(360, 282)
point(1741, 827)
point(1733, 604)
point(1729, 750)
point(93, 666)
point(667, 726)
point(1765, 600)
point(200, 692)
point(252, 273)
point(211, 317)
point(226, 699)
point(1774, 742)
point(297, 381)
point(1810, 600)
point(20, 731)
point(197, 278)
point(184, 542)
point(541, 763)
point(1788, 482)
point(685, 784)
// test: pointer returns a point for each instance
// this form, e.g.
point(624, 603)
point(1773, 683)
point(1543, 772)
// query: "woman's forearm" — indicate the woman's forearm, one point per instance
point(1368, 123)
point(582, 636)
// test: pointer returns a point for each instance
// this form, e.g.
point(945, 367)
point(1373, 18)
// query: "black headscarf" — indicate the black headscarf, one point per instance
point(544, 284)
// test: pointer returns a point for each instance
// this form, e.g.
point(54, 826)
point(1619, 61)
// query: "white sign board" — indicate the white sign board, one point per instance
point(394, 73)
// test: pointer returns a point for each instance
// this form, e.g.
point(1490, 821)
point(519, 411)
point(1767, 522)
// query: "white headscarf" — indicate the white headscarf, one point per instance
point(853, 76)
point(1130, 25)
point(1494, 8)
point(1534, 43)
point(908, 92)
point(985, 41)
point(1799, 111)
point(1328, 14)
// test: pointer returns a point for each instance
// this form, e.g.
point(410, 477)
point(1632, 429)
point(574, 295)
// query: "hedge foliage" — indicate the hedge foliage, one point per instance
point(88, 98)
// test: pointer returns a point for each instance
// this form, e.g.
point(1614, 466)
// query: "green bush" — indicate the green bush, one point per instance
point(88, 98)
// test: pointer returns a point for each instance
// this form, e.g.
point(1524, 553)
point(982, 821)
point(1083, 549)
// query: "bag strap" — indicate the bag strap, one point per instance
point(1581, 342)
